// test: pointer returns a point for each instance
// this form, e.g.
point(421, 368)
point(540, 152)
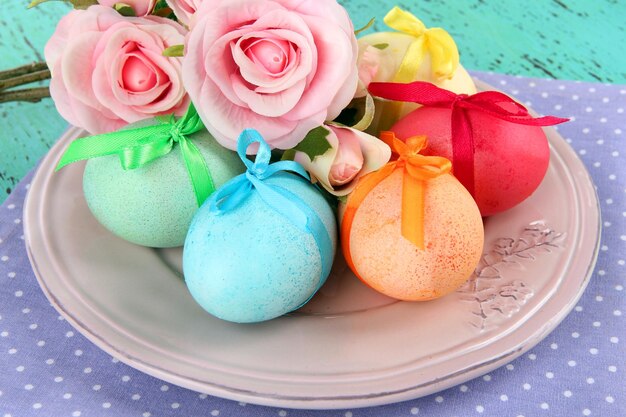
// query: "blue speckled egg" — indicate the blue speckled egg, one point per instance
point(153, 205)
point(250, 264)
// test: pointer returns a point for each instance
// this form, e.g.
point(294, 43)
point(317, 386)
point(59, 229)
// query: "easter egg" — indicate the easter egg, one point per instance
point(391, 264)
point(153, 205)
point(388, 61)
point(510, 160)
point(251, 264)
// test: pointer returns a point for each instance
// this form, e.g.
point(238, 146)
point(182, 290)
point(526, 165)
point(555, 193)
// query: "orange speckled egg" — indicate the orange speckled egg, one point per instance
point(392, 265)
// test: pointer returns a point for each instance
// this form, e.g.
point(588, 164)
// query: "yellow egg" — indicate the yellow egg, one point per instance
point(392, 265)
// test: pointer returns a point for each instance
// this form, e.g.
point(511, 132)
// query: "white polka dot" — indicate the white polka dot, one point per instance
point(531, 84)
point(87, 370)
point(586, 130)
point(619, 287)
point(590, 380)
point(615, 153)
point(605, 100)
point(96, 387)
point(12, 351)
point(37, 406)
point(532, 356)
point(620, 110)
point(11, 275)
point(175, 405)
point(578, 308)
point(554, 346)
point(463, 388)
point(544, 95)
point(439, 399)
point(33, 326)
point(20, 368)
point(4, 258)
point(610, 399)
point(623, 237)
point(487, 378)
point(549, 375)
point(596, 164)
point(146, 414)
point(106, 405)
point(4, 334)
point(504, 397)
point(114, 360)
point(480, 408)
point(26, 310)
point(164, 388)
point(567, 393)
point(526, 386)
point(49, 361)
point(582, 152)
point(607, 224)
point(617, 313)
point(600, 141)
point(599, 298)
point(614, 339)
point(621, 262)
point(348, 414)
point(603, 120)
point(596, 324)
point(544, 406)
point(78, 352)
point(575, 97)
point(575, 335)
point(510, 367)
point(67, 396)
point(69, 334)
point(76, 414)
point(586, 412)
point(618, 131)
point(415, 410)
point(125, 378)
point(558, 107)
point(17, 221)
point(612, 368)
point(203, 396)
point(281, 413)
point(561, 87)
point(28, 387)
point(592, 90)
point(58, 379)
point(19, 293)
point(135, 397)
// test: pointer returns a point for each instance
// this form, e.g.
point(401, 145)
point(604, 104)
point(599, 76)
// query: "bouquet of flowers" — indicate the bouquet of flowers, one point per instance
point(245, 128)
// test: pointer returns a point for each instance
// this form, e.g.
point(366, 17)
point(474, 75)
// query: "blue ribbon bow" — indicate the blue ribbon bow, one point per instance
point(283, 201)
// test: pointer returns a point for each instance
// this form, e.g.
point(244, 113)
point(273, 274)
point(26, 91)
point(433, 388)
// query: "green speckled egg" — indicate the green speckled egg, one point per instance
point(153, 205)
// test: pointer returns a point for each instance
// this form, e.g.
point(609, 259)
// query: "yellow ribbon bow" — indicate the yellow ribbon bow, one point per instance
point(443, 51)
point(418, 169)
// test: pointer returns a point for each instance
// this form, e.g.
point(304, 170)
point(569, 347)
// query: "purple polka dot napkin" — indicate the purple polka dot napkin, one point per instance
point(48, 369)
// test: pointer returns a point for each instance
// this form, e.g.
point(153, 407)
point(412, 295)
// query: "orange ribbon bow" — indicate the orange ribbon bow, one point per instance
point(418, 169)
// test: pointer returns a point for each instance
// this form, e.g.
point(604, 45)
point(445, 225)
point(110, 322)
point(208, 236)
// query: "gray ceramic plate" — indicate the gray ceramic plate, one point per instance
point(349, 347)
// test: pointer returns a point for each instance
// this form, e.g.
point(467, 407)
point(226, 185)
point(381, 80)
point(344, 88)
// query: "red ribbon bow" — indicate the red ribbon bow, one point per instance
point(492, 103)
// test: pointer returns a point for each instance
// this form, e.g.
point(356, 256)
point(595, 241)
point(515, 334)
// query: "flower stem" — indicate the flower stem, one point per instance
point(24, 69)
point(32, 95)
point(24, 79)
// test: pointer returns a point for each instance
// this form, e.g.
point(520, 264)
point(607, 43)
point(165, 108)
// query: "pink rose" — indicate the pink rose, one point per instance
point(184, 9)
point(282, 67)
point(108, 70)
point(141, 7)
point(353, 154)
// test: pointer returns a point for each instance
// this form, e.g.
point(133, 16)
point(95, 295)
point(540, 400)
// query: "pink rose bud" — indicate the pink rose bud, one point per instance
point(353, 154)
point(184, 9)
point(141, 7)
point(109, 70)
point(283, 67)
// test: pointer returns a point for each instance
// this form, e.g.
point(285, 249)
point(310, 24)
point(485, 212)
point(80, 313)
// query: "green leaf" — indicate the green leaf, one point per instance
point(314, 143)
point(124, 9)
point(288, 155)
point(82, 4)
point(364, 28)
point(381, 46)
point(78, 4)
point(174, 51)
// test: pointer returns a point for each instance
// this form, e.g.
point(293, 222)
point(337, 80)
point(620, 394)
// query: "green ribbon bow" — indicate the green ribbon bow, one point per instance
point(137, 147)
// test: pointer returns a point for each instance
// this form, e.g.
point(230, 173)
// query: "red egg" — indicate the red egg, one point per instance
point(510, 160)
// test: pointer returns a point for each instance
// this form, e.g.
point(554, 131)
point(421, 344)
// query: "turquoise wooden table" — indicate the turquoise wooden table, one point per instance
point(568, 39)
